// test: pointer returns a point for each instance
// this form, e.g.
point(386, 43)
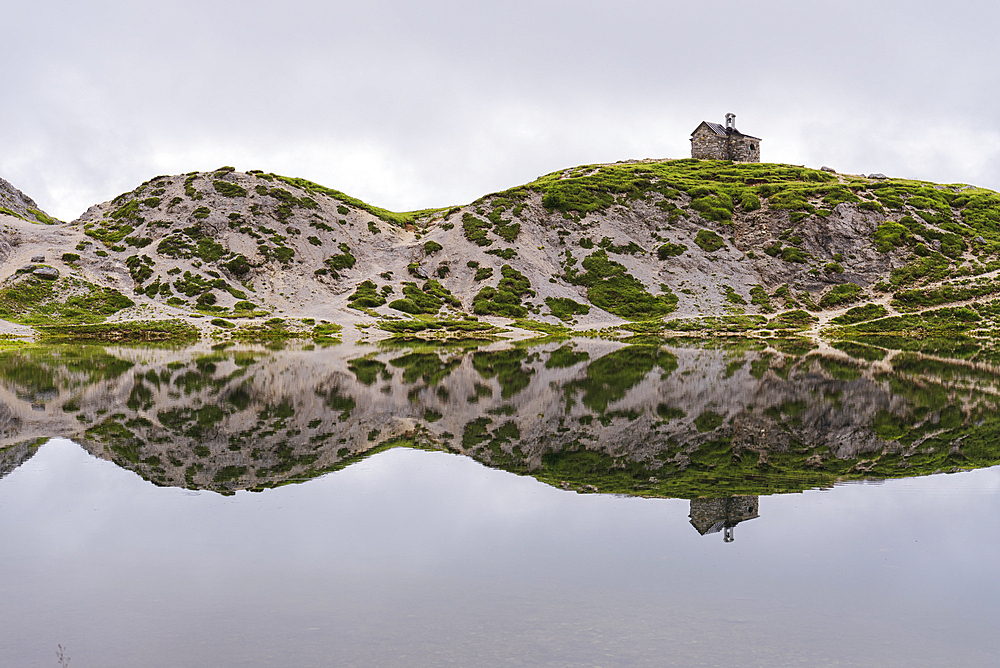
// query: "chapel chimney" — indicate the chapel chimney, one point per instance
point(730, 121)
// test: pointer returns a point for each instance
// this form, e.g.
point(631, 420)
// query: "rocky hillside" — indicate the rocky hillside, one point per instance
point(586, 247)
point(15, 203)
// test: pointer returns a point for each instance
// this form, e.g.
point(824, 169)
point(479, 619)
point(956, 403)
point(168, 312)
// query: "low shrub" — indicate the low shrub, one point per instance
point(669, 250)
point(709, 241)
point(565, 308)
point(840, 294)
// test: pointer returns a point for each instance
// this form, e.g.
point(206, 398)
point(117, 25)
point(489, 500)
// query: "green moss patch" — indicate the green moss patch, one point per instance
point(33, 301)
point(229, 189)
point(505, 299)
point(565, 308)
point(861, 314)
point(611, 288)
point(670, 250)
point(840, 294)
point(709, 241)
point(889, 235)
point(366, 296)
point(427, 300)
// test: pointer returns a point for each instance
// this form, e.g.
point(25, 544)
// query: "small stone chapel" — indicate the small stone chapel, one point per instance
point(711, 141)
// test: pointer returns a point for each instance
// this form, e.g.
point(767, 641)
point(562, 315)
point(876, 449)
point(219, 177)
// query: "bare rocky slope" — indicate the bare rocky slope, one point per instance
point(16, 204)
point(587, 247)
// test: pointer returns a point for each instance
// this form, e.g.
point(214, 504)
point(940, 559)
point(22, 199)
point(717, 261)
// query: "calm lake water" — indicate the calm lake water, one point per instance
point(581, 503)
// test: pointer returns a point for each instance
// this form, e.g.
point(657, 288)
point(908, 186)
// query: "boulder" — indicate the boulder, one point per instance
point(38, 258)
point(49, 273)
point(878, 176)
point(828, 169)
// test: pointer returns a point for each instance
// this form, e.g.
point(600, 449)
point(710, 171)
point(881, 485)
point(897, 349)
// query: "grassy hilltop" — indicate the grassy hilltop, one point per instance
point(679, 245)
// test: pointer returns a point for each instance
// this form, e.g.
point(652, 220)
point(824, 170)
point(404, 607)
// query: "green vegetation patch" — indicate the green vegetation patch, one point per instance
point(793, 254)
point(713, 186)
point(631, 248)
point(760, 299)
point(32, 301)
point(942, 331)
point(912, 300)
point(400, 219)
point(345, 260)
point(729, 324)
point(229, 189)
point(366, 296)
point(796, 319)
point(670, 250)
point(43, 217)
point(932, 266)
point(190, 242)
point(889, 235)
point(609, 287)
point(427, 300)
point(327, 332)
point(435, 329)
point(505, 299)
point(709, 241)
point(860, 314)
point(476, 229)
point(565, 308)
point(844, 293)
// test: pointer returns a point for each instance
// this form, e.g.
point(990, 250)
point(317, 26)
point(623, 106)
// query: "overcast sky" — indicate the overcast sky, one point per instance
point(416, 104)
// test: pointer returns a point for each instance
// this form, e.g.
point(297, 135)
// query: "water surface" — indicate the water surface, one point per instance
point(487, 540)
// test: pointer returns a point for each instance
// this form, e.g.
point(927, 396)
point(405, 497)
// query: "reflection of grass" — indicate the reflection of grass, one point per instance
point(366, 370)
point(139, 331)
point(565, 357)
point(427, 366)
point(505, 366)
point(718, 469)
point(860, 351)
point(708, 421)
point(609, 378)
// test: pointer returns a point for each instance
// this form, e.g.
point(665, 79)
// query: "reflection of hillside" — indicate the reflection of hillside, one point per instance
point(589, 415)
point(15, 454)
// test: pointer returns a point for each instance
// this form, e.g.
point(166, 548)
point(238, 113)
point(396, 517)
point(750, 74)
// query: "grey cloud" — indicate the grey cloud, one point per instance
point(410, 104)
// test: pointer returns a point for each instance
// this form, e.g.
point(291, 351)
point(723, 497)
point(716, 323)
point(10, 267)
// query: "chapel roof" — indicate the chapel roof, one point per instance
point(722, 131)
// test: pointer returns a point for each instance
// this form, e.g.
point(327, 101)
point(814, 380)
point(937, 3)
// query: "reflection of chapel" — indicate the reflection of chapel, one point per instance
point(711, 141)
point(714, 515)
